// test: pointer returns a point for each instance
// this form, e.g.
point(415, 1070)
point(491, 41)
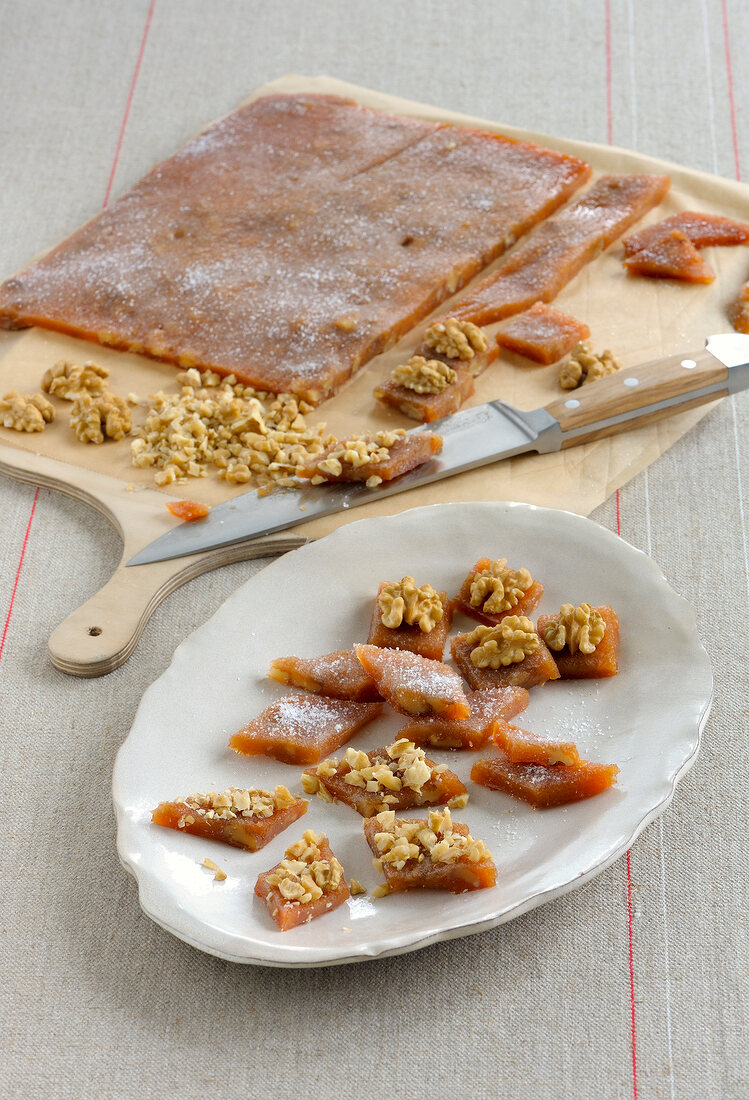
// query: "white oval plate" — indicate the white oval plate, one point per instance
point(648, 720)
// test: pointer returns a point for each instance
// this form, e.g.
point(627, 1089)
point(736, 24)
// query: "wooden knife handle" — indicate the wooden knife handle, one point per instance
point(635, 391)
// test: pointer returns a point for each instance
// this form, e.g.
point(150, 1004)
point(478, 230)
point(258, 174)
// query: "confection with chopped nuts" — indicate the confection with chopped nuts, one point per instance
point(380, 456)
point(307, 883)
point(432, 854)
point(396, 777)
point(413, 389)
point(243, 817)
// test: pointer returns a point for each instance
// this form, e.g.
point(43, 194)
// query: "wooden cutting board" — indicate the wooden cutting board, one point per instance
point(639, 319)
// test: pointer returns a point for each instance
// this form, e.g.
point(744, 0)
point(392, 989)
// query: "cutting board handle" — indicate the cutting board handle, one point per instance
point(104, 631)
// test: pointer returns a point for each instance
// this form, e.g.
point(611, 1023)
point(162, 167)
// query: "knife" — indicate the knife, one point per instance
point(475, 437)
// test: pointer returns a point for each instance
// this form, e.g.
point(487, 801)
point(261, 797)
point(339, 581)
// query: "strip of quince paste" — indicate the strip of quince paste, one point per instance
point(292, 240)
point(540, 266)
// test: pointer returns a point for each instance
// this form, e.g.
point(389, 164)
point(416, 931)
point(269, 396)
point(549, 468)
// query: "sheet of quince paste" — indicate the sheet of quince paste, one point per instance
point(638, 319)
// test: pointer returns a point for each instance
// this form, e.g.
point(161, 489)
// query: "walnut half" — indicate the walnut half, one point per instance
point(508, 643)
point(25, 413)
point(404, 602)
point(69, 381)
point(583, 365)
point(455, 339)
point(579, 628)
point(424, 375)
point(94, 417)
point(498, 588)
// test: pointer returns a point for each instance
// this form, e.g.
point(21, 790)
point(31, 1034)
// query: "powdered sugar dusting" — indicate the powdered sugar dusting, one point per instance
point(291, 240)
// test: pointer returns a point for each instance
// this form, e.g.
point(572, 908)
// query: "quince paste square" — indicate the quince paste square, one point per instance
point(414, 684)
point(487, 708)
point(301, 729)
point(338, 675)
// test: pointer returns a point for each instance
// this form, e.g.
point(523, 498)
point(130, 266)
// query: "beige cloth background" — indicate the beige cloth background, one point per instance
point(95, 999)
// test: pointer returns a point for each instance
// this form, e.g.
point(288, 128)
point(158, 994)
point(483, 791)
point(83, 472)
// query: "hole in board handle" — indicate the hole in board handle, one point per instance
point(94, 631)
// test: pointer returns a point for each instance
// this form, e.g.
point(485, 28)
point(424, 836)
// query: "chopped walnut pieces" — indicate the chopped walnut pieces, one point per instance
point(220, 875)
point(399, 841)
point(583, 366)
point(505, 644)
point(360, 450)
point(240, 802)
point(69, 381)
point(355, 887)
point(579, 628)
point(25, 413)
point(312, 785)
point(424, 375)
point(498, 588)
point(407, 767)
point(304, 875)
point(455, 339)
point(404, 602)
point(216, 422)
point(93, 418)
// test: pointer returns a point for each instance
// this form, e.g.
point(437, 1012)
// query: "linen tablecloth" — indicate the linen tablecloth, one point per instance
point(634, 985)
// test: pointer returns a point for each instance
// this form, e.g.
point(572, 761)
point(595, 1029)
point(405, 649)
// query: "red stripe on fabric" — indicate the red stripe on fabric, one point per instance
point(731, 96)
point(609, 109)
point(609, 138)
point(18, 573)
point(631, 978)
point(129, 102)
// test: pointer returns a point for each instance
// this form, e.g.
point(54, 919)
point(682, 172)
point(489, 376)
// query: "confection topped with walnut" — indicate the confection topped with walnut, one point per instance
point(579, 628)
point(510, 642)
point(498, 588)
point(403, 602)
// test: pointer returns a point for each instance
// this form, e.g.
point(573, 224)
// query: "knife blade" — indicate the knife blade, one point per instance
point(485, 434)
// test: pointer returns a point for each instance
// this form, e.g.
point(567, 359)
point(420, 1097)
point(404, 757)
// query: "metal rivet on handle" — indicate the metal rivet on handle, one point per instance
point(631, 381)
point(572, 404)
point(689, 364)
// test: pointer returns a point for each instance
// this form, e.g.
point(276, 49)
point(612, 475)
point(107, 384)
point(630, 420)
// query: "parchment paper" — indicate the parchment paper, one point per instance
point(639, 319)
